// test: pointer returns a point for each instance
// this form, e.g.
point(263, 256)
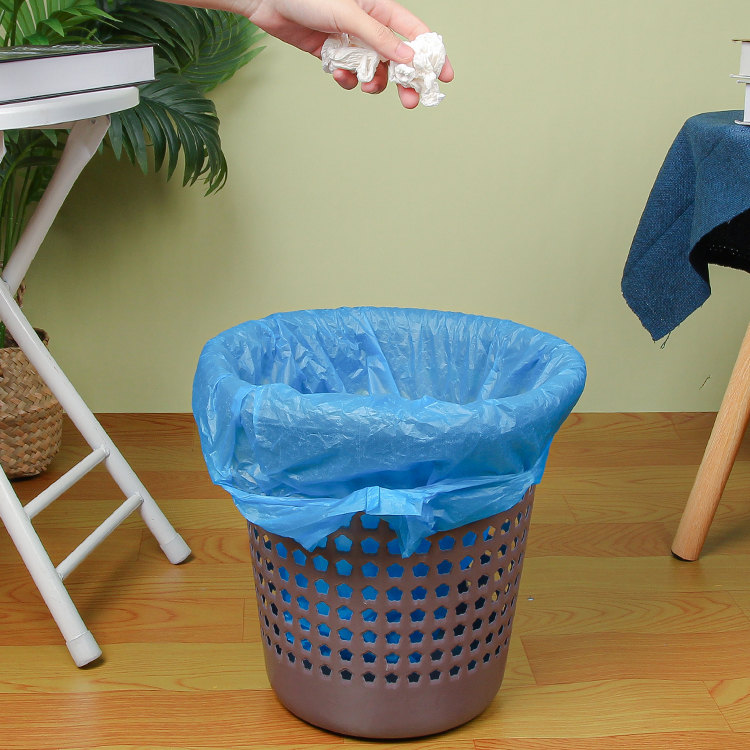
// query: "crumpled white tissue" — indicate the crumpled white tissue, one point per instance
point(346, 52)
point(422, 74)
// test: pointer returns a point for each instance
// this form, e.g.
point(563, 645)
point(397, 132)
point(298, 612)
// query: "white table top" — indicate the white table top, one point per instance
point(63, 110)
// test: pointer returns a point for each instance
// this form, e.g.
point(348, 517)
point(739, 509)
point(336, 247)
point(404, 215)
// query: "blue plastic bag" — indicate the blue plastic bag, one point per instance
point(430, 420)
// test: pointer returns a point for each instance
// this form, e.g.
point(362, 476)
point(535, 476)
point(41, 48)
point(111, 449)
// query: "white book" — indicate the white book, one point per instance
point(40, 72)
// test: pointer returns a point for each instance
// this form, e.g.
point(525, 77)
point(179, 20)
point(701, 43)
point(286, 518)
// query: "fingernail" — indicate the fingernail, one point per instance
point(404, 52)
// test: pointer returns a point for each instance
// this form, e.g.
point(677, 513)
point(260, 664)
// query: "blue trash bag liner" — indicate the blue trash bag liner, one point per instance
point(429, 420)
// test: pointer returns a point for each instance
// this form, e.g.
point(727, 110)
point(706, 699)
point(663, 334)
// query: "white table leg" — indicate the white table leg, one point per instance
point(82, 144)
point(721, 451)
point(81, 644)
point(93, 433)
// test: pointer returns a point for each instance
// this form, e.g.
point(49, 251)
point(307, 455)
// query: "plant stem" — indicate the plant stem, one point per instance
point(23, 204)
point(7, 208)
point(9, 216)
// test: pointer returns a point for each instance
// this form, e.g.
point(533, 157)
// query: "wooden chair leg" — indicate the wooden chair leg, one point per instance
point(721, 451)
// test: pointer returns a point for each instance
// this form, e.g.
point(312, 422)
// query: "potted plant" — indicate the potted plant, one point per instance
point(195, 50)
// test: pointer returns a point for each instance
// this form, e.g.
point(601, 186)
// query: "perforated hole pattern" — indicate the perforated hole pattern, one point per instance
point(357, 612)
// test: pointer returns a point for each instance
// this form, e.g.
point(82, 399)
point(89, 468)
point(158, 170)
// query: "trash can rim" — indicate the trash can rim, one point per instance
point(574, 359)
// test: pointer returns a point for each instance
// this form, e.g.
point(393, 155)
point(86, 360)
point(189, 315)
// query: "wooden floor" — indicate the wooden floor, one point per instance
point(616, 645)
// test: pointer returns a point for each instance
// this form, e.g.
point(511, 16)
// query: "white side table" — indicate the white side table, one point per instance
point(87, 114)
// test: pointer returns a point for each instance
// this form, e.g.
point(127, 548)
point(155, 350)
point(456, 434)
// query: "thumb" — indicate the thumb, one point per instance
point(377, 36)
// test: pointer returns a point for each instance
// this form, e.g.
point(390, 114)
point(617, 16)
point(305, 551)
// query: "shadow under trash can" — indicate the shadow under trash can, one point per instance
point(385, 460)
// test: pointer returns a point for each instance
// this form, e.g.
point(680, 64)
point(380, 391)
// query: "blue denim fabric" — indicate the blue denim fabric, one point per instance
point(703, 183)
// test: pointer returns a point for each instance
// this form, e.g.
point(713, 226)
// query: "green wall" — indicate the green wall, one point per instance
point(518, 197)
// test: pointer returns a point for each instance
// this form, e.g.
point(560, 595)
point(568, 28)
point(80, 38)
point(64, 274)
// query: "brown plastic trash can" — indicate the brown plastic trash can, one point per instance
point(361, 641)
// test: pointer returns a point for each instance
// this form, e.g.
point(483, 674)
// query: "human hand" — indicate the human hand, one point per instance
point(306, 24)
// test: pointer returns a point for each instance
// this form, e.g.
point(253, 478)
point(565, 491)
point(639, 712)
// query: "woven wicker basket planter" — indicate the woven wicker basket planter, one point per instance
point(30, 416)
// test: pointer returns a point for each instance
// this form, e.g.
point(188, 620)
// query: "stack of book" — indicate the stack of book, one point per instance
point(30, 73)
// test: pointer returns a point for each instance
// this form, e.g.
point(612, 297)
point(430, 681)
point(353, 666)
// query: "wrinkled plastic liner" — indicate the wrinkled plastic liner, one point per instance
point(429, 420)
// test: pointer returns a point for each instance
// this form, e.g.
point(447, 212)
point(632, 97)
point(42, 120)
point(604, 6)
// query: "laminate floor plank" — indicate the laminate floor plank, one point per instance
point(551, 507)
point(664, 741)
point(205, 514)
point(179, 666)
point(597, 427)
point(219, 718)
point(696, 427)
point(207, 545)
point(649, 507)
point(727, 537)
point(129, 621)
point(687, 423)
point(517, 670)
point(733, 698)
point(632, 575)
point(140, 457)
point(440, 742)
point(626, 452)
point(696, 444)
point(155, 429)
point(591, 709)
point(556, 659)
point(163, 485)
point(662, 479)
point(240, 746)
point(159, 579)
point(743, 600)
point(122, 544)
point(185, 513)
point(251, 629)
point(565, 614)
point(139, 580)
point(599, 540)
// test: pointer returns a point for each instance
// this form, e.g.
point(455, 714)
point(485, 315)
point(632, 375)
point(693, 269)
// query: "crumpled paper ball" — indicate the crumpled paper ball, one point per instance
point(423, 71)
point(346, 52)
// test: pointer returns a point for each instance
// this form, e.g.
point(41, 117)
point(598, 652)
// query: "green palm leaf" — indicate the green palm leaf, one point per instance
point(176, 117)
point(206, 46)
point(49, 21)
point(196, 50)
point(227, 45)
point(176, 30)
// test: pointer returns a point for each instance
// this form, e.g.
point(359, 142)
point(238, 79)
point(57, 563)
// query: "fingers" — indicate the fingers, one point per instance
point(395, 17)
point(346, 79)
point(379, 81)
point(377, 23)
point(355, 20)
point(446, 74)
point(409, 97)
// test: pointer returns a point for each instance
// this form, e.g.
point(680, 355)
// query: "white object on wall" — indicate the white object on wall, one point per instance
point(744, 77)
